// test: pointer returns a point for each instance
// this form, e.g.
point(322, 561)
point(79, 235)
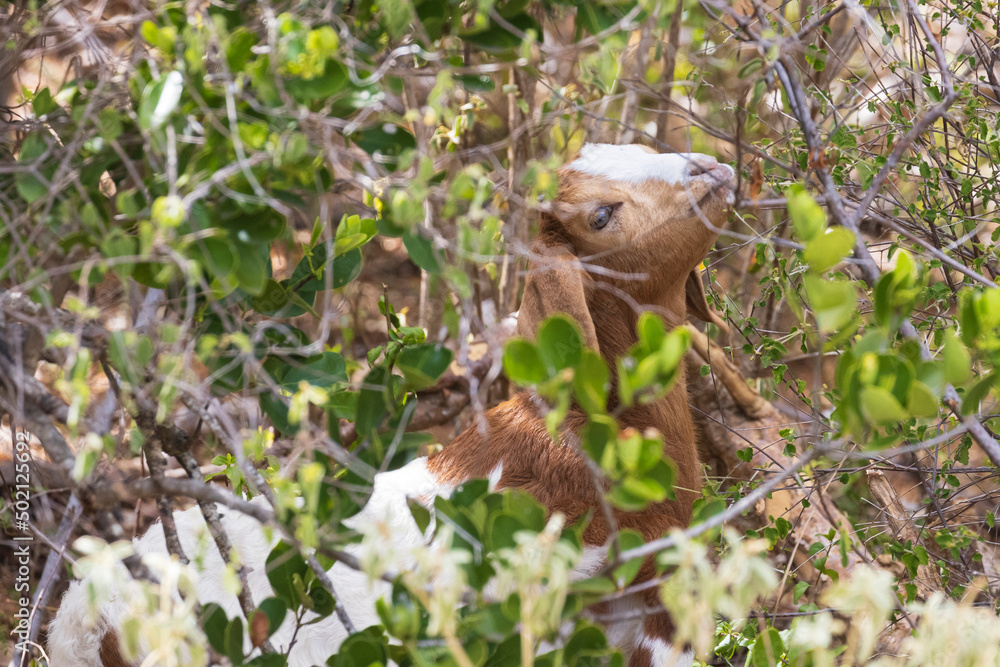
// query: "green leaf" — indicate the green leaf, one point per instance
point(396, 17)
point(905, 270)
point(974, 396)
point(372, 405)
point(284, 565)
point(43, 103)
point(277, 411)
point(501, 530)
point(309, 275)
point(623, 499)
point(768, 649)
point(705, 508)
point(253, 227)
point(673, 349)
point(827, 250)
point(214, 622)
point(596, 585)
point(421, 515)
point(362, 649)
point(496, 37)
point(352, 232)
point(28, 185)
point(834, 302)
point(651, 330)
point(324, 370)
point(645, 488)
point(332, 81)
point(215, 256)
point(586, 642)
point(843, 137)
point(591, 381)
point(320, 599)
point(957, 361)
point(343, 404)
point(349, 242)
point(476, 83)
point(346, 268)
point(435, 16)
point(665, 473)
point(559, 343)
point(385, 143)
point(422, 252)
point(881, 407)
point(272, 298)
point(5, 245)
point(130, 353)
point(159, 38)
point(599, 432)
point(267, 660)
point(630, 449)
point(117, 244)
point(275, 610)
point(595, 17)
point(159, 100)
point(511, 8)
point(232, 641)
point(252, 270)
point(522, 363)
point(238, 49)
point(423, 364)
point(110, 124)
point(624, 574)
point(866, 173)
point(807, 216)
point(921, 401)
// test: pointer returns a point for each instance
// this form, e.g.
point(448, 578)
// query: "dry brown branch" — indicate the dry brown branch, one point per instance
point(871, 272)
point(725, 430)
point(109, 494)
point(747, 398)
point(927, 580)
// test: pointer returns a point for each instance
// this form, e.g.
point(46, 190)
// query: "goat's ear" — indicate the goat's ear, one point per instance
point(697, 304)
point(556, 284)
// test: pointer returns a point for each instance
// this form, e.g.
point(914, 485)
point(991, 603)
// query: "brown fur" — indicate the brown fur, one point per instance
point(655, 232)
point(641, 657)
point(111, 652)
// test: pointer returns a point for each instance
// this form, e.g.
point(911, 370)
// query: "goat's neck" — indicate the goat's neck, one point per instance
point(670, 415)
point(513, 436)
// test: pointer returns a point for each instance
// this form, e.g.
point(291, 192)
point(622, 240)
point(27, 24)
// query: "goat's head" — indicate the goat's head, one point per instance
point(641, 221)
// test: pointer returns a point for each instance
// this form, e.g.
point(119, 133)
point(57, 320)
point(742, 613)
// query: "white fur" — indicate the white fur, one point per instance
point(494, 476)
point(632, 164)
point(590, 563)
point(75, 637)
point(663, 654)
point(624, 633)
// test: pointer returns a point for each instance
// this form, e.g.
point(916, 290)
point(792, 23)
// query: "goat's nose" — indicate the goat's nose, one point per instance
point(701, 164)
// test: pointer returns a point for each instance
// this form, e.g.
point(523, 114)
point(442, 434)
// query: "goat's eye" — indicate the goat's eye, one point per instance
point(602, 217)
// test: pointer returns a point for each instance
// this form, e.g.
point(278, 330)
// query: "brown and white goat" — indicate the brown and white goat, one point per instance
point(633, 212)
point(621, 211)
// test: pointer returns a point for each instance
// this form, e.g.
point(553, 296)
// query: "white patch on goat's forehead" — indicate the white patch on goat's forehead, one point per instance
point(633, 164)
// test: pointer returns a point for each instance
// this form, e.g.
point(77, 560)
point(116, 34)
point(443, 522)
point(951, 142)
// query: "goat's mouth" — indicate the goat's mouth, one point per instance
point(723, 185)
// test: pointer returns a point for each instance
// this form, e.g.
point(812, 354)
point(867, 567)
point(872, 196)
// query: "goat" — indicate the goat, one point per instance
point(623, 208)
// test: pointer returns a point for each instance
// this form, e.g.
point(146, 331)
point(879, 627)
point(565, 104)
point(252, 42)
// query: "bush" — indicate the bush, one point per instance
point(309, 212)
